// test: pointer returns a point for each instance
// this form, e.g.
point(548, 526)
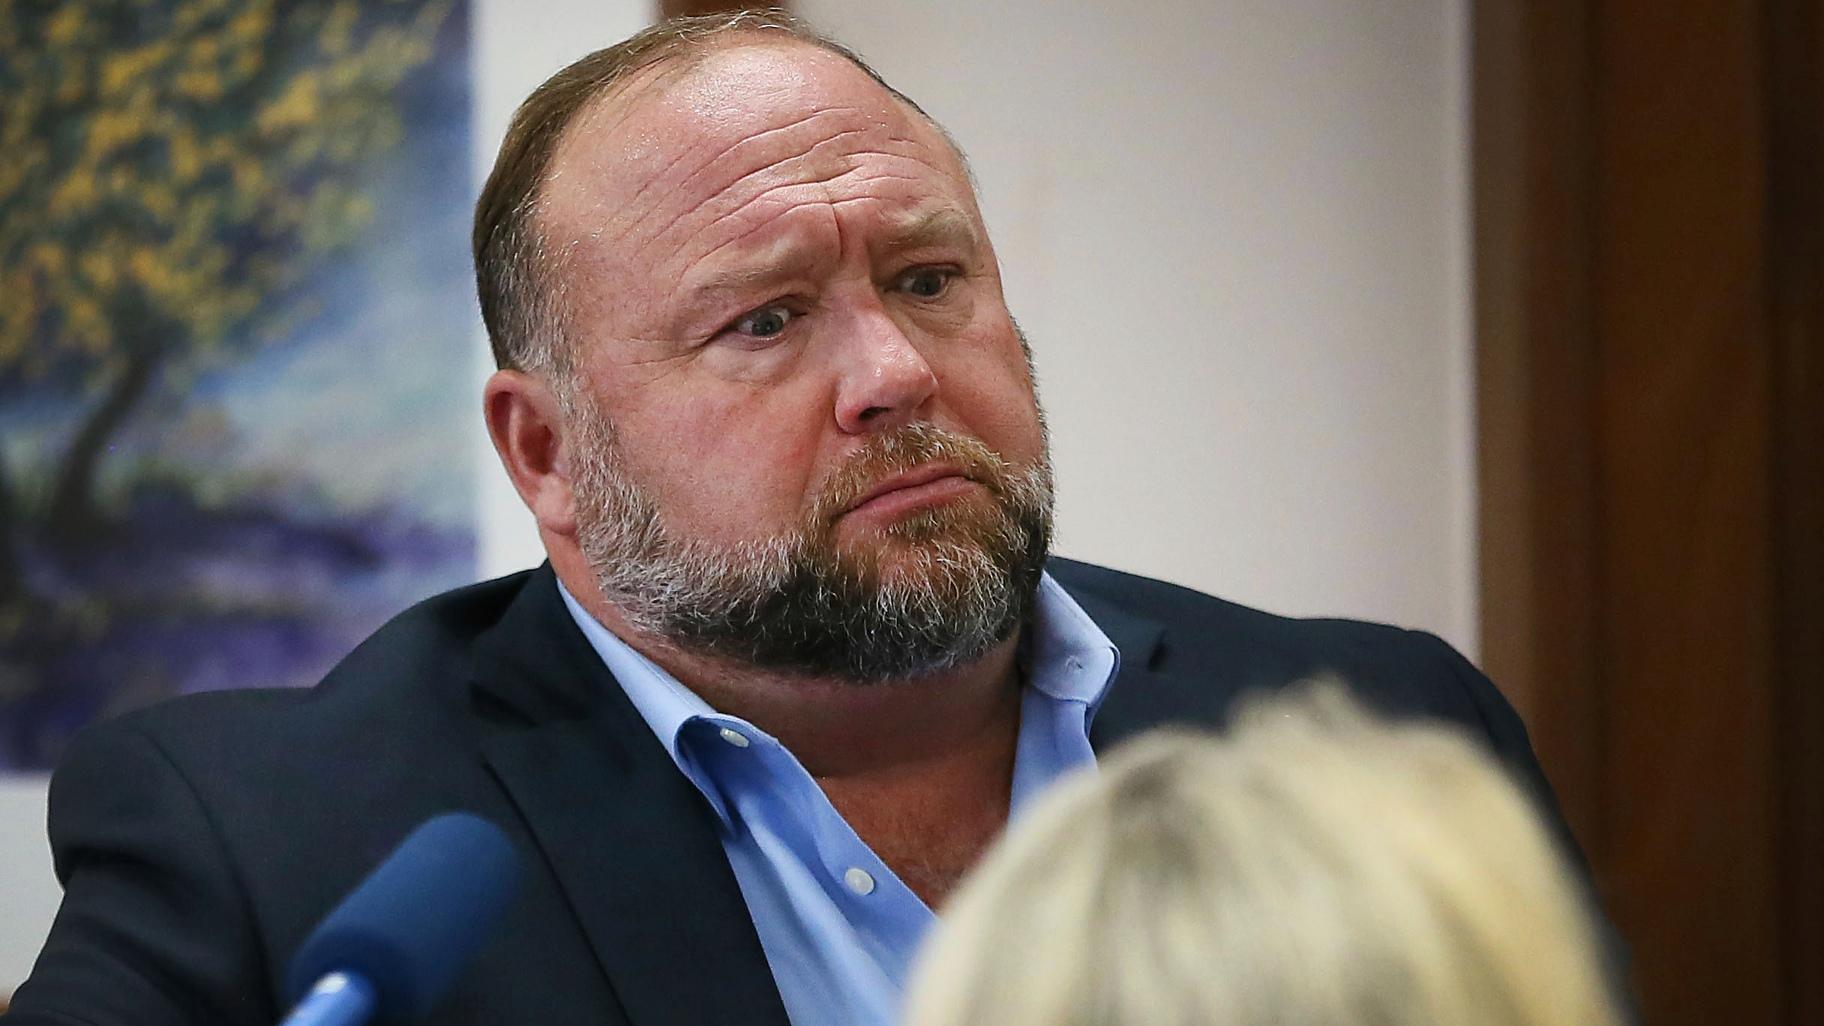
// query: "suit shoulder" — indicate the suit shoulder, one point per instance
point(422, 649)
point(1174, 605)
point(1219, 650)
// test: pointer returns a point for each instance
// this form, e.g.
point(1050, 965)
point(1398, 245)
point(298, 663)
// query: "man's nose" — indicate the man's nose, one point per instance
point(885, 380)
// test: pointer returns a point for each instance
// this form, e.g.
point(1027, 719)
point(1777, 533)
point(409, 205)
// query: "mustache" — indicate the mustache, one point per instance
point(903, 449)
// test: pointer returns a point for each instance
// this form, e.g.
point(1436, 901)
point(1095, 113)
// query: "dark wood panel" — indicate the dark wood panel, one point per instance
point(1683, 437)
point(1795, 88)
point(1650, 329)
point(1535, 357)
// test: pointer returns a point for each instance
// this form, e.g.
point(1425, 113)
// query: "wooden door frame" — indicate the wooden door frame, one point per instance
point(1578, 108)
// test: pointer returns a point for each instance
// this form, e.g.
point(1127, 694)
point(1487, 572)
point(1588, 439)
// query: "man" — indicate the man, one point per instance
point(798, 650)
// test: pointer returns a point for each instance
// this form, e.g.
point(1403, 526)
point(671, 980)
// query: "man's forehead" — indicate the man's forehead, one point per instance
point(940, 226)
point(694, 156)
point(731, 91)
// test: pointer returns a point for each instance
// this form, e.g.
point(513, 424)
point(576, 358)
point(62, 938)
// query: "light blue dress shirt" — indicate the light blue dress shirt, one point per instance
point(838, 927)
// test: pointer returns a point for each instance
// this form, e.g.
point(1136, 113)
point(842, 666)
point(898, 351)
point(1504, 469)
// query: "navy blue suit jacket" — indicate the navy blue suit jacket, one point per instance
point(199, 841)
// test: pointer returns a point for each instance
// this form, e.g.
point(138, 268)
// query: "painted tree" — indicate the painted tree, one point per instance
point(169, 174)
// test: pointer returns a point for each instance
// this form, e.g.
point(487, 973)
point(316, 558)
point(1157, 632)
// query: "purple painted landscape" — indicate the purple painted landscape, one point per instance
point(236, 337)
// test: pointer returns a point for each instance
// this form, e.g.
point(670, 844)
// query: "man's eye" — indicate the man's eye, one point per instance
point(926, 282)
point(764, 322)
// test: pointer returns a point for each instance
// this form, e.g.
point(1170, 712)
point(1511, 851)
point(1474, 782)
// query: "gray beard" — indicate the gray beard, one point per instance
point(963, 580)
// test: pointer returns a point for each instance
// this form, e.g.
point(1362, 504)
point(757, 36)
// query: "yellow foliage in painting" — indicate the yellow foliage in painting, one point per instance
point(199, 85)
point(252, 24)
point(185, 156)
point(88, 326)
point(248, 175)
point(98, 269)
point(339, 28)
point(19, 310)
point(122, 70)
point(71, 86)
point(152, 274)
point(48, 257)
point(110, 130)
point(64, 26)
point(159, 200)
point(298, 105)
point(246, 64)
point(123, 212)
point(74, 193)
point(204, 50)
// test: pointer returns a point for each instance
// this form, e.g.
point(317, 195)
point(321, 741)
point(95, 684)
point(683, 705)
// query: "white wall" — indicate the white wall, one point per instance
point(1236, 233)
point(28, 891)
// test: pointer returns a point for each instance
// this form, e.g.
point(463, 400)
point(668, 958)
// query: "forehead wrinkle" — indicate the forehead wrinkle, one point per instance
point(673, 132)
point(800, 163)
point(775, 259)
point(562, 255)
point(754, 173)
point(758, 139)
point(858, 172)
point(820, 195)
point(782, 260)
point(607, 117)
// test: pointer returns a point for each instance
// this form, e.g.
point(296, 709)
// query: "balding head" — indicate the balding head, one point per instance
point(513, 265)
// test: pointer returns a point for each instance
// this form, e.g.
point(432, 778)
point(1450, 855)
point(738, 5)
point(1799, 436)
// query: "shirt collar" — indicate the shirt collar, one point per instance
point(665, 704)
point(1068, 659)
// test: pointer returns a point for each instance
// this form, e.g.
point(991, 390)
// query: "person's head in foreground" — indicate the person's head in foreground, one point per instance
point(1316, 867)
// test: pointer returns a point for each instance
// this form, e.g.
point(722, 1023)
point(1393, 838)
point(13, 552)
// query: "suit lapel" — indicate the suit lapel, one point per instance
point(1135, 700)
point(1147, 693)
point(632, 844)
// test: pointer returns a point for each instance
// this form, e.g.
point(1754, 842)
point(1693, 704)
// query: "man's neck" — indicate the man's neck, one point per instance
point(842, 729)
point(921, 769)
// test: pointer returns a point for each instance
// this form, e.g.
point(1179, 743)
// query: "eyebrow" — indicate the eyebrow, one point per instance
point(742, 279)
point(943, 226)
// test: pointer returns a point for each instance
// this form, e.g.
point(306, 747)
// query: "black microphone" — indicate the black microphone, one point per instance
point(395, 944)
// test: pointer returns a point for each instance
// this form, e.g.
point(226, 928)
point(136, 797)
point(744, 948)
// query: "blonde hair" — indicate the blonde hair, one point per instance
point(1317, 867)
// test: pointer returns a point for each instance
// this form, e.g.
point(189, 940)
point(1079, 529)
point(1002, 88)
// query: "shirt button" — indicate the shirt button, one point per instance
point(858, 880)
point(734, 737)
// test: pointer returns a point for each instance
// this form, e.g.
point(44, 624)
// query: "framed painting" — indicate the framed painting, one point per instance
point(235, 343)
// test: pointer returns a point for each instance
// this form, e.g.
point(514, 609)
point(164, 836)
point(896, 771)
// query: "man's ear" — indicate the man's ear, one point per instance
point(527, 426)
